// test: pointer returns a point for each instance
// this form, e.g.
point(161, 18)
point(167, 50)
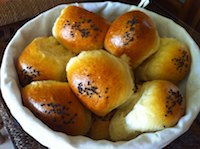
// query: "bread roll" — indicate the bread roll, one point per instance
point(134, 34)
point(157, 105)
point(80, 30)
point(43, 59)
point(55, 104)
point(171, 62)
point(101, 81)
point(100, 127)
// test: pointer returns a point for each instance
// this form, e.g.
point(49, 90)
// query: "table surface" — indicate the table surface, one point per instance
point(20, 139)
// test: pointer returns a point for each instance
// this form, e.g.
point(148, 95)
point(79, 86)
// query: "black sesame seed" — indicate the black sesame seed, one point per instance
point(132, 22)
point(94, 87)
point(89, 20)
point(49, 104)
point(84, 32)
point(80, 92)
point(92, 25)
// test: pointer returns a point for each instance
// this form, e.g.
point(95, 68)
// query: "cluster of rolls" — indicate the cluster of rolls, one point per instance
point(106, 80)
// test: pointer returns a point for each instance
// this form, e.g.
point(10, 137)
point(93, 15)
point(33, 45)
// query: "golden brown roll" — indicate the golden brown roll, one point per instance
point(43, 59)
point(133, 34)
point(80, 30)
point(101, 81)
point(55, 104)
point(100, 126)
point(171, 62)
point(157, 105)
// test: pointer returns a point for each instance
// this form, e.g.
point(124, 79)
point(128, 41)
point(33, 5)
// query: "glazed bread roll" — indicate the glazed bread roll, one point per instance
point(171, 62)
point(134, 34)
point(100, 126)
point(80, 30)
point(55, 104)
point(43, 59)
point(157, 105)
point(101, 81)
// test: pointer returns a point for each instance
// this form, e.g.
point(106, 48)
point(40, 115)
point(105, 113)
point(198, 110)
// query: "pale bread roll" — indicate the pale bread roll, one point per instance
point(171, 62)
point(43, 59)
point(157, 105)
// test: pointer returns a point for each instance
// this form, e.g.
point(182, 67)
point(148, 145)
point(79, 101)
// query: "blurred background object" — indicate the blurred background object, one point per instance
point(2, 1)
point(187, 11)
point(12, 11)
point(17, 10)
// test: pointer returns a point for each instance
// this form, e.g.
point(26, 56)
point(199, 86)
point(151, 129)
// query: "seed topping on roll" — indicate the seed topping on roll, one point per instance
point(128, 35)
point(91, 90)
point(80, 26)
point(80, 30)
point(181, 61)
point(29, 73)
point(134, 34)
point(173, 98)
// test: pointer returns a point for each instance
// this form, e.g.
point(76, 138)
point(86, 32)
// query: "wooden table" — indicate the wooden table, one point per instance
point(21, 140)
